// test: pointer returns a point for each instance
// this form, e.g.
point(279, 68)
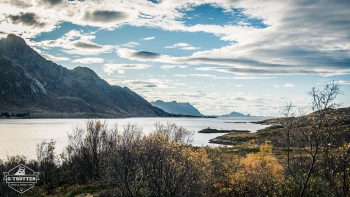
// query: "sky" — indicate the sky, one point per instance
point(248, 56)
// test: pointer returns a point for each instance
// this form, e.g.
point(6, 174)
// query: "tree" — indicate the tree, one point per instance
point(308, 138)
point(159, 164)
point(123, 163)
point(174, 133)
point(47, 164)
point(86, 149)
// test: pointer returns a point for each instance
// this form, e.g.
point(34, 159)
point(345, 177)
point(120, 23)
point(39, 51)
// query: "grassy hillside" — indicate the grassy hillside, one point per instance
point(274, 133)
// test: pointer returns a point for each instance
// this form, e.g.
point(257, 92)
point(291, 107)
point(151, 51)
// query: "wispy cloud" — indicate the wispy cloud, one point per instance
point(75, 42)
point(343, 82)
point(183, 46)
point(203, 75)
point(179, 75)
point(288, 85)
point(149, 38)
point(110, 68)
point(86, 45)
point(141, 85)
point(336, 82)
point(167, 67)
point(89, 60)
point(55, 58)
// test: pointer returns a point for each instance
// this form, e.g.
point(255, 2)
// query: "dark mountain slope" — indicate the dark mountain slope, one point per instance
point(236, 114)
point(177, 108)
point(29, 82)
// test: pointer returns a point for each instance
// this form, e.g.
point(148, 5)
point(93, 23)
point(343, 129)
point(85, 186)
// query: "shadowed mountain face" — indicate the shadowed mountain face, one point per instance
point(236, 114)
point(177, 108)
point(29, 82)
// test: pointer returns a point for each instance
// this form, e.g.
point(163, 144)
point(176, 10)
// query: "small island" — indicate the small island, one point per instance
point(210, 130)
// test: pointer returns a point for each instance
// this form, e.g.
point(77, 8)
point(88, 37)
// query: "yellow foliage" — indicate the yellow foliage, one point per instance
point(266, 149)
point(257, 172)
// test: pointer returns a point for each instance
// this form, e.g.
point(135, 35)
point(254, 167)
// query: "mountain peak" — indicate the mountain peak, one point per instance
point(85, 70)
point(15, 46)
point(177, 108)
point(49, 90)
point(14, 39)
point(236, 114)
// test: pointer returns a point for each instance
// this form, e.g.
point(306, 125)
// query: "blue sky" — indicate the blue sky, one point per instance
point(221, 56)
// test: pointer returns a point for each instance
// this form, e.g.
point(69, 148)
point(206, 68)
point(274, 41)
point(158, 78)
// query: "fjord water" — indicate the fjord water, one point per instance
point(21, 136)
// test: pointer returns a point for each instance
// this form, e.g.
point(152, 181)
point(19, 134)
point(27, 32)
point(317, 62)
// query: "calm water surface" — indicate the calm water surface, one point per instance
point(21, 136)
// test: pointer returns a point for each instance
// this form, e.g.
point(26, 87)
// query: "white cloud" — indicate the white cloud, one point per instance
point(179, 75)
point(89, 60)
point(183, 46)
point(249, 78)
point(239, 85)
point(130, 44)
point(149, 38)
point(288, 85)
point(75, 42)
point(203, 75)
point(166, 67)
point(190, 48)
point(342, 82)
point(141, 85)
point(276, 86)
point(55, 58)
point(122, 72)
point(110, 68)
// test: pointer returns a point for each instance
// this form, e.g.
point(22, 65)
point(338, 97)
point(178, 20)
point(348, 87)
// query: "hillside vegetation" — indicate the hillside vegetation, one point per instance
point(276, 130)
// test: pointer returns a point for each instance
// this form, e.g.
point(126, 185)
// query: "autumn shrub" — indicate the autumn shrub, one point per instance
point(159, 164)
point(86, 150)
point(257, 174)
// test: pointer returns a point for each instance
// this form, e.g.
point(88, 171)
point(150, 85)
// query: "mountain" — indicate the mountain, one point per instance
point(177, 108)
point(236, 114)
point(30, 83)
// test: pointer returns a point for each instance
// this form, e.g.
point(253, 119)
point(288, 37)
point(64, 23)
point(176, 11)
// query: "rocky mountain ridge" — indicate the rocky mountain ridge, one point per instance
point(177, 108)
point(30, 83)
point(236, 114)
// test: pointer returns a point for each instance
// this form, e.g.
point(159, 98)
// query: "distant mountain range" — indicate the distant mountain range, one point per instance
point(177, 108)
point(236, 114)
point(31, 84)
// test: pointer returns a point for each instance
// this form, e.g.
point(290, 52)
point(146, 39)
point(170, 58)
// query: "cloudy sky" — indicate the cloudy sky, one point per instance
point(249, 56)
